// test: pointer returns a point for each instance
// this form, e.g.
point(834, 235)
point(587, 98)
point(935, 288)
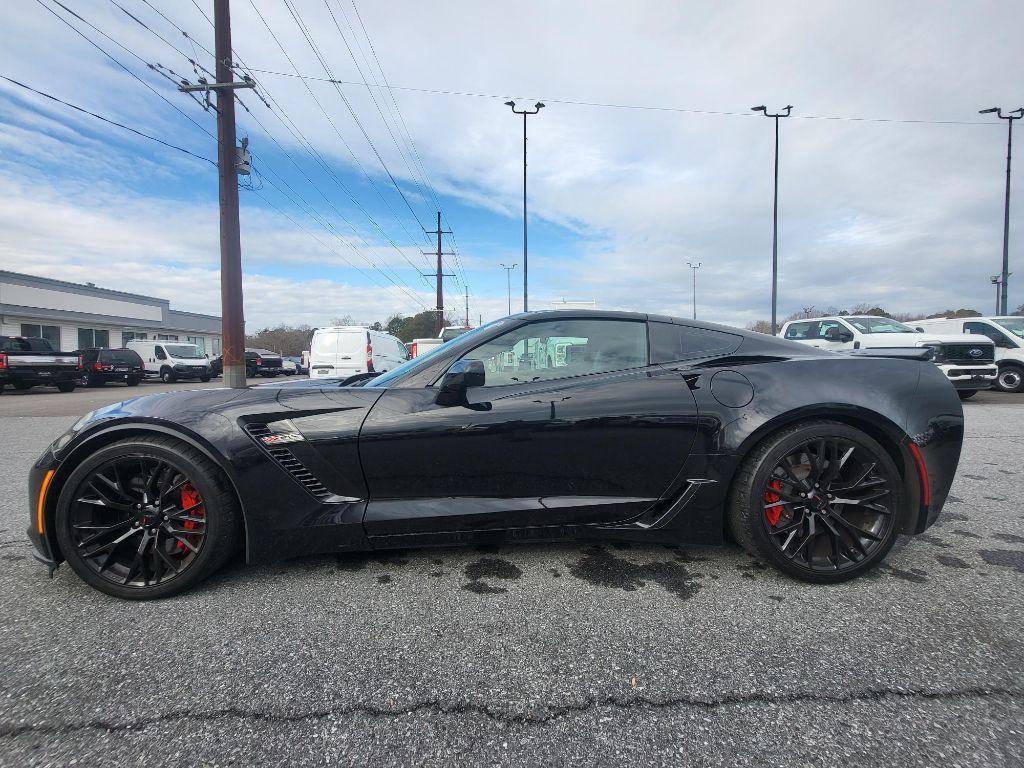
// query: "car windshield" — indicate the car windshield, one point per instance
point(184, 351)
point(396, 373)
point(878, 325)
point(1014, 325)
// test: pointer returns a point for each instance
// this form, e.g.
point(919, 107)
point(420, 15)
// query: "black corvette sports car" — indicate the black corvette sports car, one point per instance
point(539, 426)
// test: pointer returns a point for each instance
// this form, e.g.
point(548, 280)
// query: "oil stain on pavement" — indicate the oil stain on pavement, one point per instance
point(489, 568)
point(601, 568)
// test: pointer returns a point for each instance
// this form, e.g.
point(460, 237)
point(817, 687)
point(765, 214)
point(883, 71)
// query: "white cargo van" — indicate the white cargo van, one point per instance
point(172, 361)
point(342, 351)
point(1007, 333)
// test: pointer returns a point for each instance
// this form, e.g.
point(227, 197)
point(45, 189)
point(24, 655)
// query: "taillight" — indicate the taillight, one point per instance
point(369, 357)
point(412, 349)
point(97, 366)
point(81, 364)
point(3, 361)
point(259, 361)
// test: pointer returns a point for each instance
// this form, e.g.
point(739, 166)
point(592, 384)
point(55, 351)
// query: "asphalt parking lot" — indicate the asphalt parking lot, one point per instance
point(529, 655)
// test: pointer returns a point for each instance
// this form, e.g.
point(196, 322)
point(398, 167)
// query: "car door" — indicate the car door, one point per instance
point(594, 439)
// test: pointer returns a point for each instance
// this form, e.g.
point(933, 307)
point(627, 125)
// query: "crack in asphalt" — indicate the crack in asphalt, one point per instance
point(550, 714)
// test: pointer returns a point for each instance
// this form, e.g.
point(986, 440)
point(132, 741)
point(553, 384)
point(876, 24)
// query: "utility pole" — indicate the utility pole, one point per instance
point(232, 314)
point(536, 108)
point(693, 269)
point(508, 284)
point(775, 214)
point(1009, 117)
point(439, 274)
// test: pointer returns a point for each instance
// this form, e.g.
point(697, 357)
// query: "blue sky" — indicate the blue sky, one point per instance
point(903, 214)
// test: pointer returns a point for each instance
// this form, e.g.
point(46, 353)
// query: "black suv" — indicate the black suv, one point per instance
point(102, 365)
point(258, 362)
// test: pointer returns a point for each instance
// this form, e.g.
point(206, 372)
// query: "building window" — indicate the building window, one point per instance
point(127, 336)
point(167, 336)
point(199, 341)
point(49, 332)
point(215, 343)
point(93, 337)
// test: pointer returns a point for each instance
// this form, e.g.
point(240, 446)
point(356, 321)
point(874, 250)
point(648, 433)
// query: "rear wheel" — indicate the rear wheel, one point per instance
point(1010, 379)
point(966, 394)
point(133, 382)
point(66, 386)
point(88, 380)
point(147, 517)
point(821, 501)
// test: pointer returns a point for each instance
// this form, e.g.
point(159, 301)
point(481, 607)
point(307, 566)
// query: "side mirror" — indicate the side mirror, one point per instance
point(461, 376)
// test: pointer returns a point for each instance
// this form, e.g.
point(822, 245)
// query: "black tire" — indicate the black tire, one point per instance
point(749, 518)
point(167, 375)
point(90, 381)
point(204, 379)
point(66, 386)
point(1010, 379)
point(220, 537)
point(132, 382)
point(250, 373)
point(966, 394)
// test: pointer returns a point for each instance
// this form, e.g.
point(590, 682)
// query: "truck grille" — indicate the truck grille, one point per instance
point(288, 462)
point(962, 353)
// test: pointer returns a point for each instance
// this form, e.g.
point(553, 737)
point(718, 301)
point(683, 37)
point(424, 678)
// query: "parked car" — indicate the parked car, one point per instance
point(1007, 333)
point(27, 362)
point(343, 351)
point(967, 361)
point(102, 365)
point(655, 429)
point(258, 362)
point(300, 367)
point(172, 360)
point(288, 367)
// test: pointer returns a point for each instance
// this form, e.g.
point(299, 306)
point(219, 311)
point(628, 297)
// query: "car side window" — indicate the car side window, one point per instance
point(987, 330)
point(829, 325)
point(671, 342)
point(558, 349)
point(801, 331)
point(160, 354)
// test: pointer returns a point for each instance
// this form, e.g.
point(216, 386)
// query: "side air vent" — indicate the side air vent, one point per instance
point(264, 437)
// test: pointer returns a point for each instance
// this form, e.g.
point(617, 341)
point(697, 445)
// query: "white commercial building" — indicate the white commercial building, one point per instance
point(74, 316)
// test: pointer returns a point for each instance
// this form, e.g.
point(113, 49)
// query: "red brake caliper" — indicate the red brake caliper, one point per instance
point(770, 497)
point(190, 498)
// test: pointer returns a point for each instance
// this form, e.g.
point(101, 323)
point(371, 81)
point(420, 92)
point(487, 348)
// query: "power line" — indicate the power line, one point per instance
point(99, 48)
point(309, 39)
point(108, 120)
point(611, 105)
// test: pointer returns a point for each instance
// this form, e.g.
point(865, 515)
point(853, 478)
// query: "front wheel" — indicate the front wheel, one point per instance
point(66, 386)
point(822, 501)
point(1010, 379)
point(204, 379)
point(966, 394)
point(147, 517)
point(167, 376)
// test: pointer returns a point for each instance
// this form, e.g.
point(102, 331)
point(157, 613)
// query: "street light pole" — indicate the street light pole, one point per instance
point(775, 213)
point(693, 269)
point(1009, 117)
point(508, 284)
point(524, 112)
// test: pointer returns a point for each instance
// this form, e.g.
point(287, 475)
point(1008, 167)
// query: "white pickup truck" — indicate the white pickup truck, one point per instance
point(968, 361)
point(1007, 333)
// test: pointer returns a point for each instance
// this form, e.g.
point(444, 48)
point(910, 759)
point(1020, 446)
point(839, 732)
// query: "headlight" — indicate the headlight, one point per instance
point(938, 354)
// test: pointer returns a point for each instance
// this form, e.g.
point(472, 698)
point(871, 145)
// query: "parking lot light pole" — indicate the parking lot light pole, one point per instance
point(775, 213)
point(508, 284)
point(694, 268)
point(1009, 117)
point(524, 112)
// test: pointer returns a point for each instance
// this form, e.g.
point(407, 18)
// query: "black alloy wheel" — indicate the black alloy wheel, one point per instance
point(146, 518)
point(822, 501)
